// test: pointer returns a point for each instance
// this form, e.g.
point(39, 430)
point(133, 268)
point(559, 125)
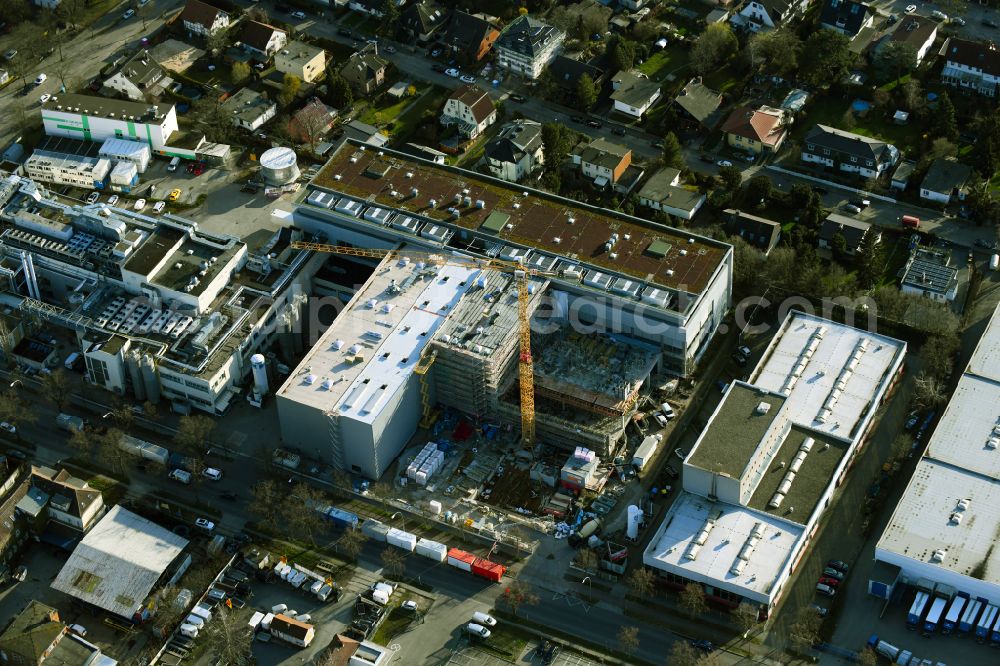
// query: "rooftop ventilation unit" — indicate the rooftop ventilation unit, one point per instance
point(955, 518)
point(762, 408)
point(963, 504)
point(938, 555)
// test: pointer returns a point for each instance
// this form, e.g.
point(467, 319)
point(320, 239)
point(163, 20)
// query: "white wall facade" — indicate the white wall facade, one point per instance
point(96, 128)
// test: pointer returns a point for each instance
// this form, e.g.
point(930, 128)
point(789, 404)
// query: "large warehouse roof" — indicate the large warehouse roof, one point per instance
point(949, 515)
point(119, 561)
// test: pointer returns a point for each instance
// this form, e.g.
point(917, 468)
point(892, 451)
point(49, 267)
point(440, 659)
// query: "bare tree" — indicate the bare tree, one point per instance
point(342, 480)
point(111, 452)
point(640, 582)
point(194, 433)
point(628, 639)
point(746, 616)
point(928, 392)
point(15, 410)
point(57, 388)
point(168, 613)
point(311, 123)
point(682, 653)
point(351, 543)
point(867, 657)
point(303, 514)
point(230, 636)
point(393, 561)
point(517, 594)
point(82, 441)
point(693, 600)
point(266, 499)
point(804, 633)
point(382, 491)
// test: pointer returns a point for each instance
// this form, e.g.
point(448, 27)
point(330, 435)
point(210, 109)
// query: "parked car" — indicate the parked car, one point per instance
point(229, 495)
point(910, 9)
point(468, 78)
point(703, 645)
point(8, 427)
point(939, 15)
point(299, 15)
point(478, 630)
point(990, 23)
point(484, 619)
point(838, 565)
point(958, 20)
point(578, 119)
point(435, 53)
point(139, 204)
point(831, 582)
point(113, 199)
point(744, 351)
point(671, 472)
point(861, 203)
point(78, 629)
point(20, 573)
point(618, 131)
point(851, 208)
point(205, 524)
point(825, 589)
point(892, 19)
point(833, 573)
point(409, 605)
point(657, 144)
point(822, 612)
point(40, 79)
point(174, 194)
point(93, 196)
point(129, 14)
point(912, 420)
point(10, 54)
point(681, 453)
point(159, 206)
point(520, 99)
point(452, 72)
point(212, 473)
point(595, 123)
point(724, 163)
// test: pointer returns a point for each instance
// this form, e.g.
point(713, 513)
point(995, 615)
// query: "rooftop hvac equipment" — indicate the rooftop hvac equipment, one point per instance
point(938, 555)
point(762, 408)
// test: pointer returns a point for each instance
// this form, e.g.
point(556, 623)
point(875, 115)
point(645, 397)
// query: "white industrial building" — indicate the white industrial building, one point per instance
point(357, 384)
point(765, 467)
point(68, 169)
point(91, 118)
point(942, 536)
point(120, 150)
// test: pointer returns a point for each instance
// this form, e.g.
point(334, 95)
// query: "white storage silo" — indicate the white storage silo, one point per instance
point(258, 366)
point(278, 166)
point(634, 522)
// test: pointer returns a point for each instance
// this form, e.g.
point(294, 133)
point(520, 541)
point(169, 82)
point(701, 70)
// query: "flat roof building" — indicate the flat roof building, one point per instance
point(942, 534)
point(767, 463)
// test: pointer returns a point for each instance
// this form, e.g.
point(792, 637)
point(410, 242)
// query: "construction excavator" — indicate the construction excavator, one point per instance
point(521, 274)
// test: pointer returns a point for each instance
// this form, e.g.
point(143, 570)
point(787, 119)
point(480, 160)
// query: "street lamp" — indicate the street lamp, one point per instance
point(590, 587)
point(14, 383)
point(401, 517)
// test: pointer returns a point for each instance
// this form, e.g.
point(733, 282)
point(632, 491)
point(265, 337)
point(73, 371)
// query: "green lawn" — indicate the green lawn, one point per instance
point(662, 63)
point(876, 123)
point(722, 79)
point(380, 116)
point(395, 622)
point(407, 121)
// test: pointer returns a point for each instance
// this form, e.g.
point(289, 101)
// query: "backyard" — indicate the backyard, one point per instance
point(665, 62)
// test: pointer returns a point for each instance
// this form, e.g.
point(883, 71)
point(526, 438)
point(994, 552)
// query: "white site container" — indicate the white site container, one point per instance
point(401, 539)
point(432, 550)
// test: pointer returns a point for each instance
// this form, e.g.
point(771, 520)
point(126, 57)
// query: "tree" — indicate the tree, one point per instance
point(57, 388)
point(621, 54)
point(641, 582)
point(230, 636)
point(351, 543)
point(673, 154)
point(928, 392)
point(289, 89)
point(15, 410)
point(82, 442)
point(867, 657)
point(267, 497)
point(760, 189)
point(901, 447)
point(150, 410)
point(194, 433)
point(517, 594)
point(586, 92)
point(775, 51)
point(217, 123)
point(714, 47)
point(628, 639)
point(302, 514)
point(799, 196)
point(804, 633)
point(897, 59)
point(693, 600)
point(393, 561)
point(111, 452)
point(731, 178)
point(168, 613)
point(217, 41)
point(259, 14)
point(311, 124)
point(869, 260)
point(682, 653)
point(390, 18)
point(838, 245)
point(746, 616)
point(555, 145)
point(944, 123)
point(339, 93)
point(937, 355)
point(240, 72)
point(826, 57)
point(911, 95)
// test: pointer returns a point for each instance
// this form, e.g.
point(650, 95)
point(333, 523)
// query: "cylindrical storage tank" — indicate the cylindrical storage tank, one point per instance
point(258, 365)
point(634, 522)
point(135, 376)
point(151, 380)
point(279, 166)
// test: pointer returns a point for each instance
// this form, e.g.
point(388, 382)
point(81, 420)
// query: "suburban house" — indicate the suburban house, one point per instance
point(137, 78)
point(664, 192)
point(699, 104)
point(371, 7)
point(917, 31)
point(971, 65)
point(564, 72)
point(37, 635)
point(946, 178)
point(365, 71)
point(469, 37)
point(420, 21)
point(603, 162)
point(852, 230)
point(347, 651)
point(764, 15)
point(901, 176)
point(516, 151)
point(471, 109)
point(846, 16)
point(759, 232)
point(303, 60)
point(203, 19)
point(69, 503)
point(527, 46)
point(755, 131)
point(311, 121)
point(249, 109)
point(292, 631)
point(928, 273)
point(262, 40)
point(633, 93)
point(849, 152)
point(364, 133)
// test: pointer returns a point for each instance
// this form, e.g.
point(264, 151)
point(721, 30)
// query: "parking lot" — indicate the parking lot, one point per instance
point(473, 656)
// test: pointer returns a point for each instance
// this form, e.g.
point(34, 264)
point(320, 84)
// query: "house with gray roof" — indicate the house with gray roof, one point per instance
point(928, 273)
point(420, 21)
point(138, 78)
point(946, 178)
point(845, 151)
point(249, 109)
point(664, 192)
point(564, 72)
point(527, 46)
point(633, 93)
point(766, 15)
point(698, 103)
point(760, 232)
point(852, 230)
point(516, 151)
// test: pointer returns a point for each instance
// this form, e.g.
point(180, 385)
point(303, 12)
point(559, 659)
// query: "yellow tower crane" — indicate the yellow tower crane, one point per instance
point(521, 276)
